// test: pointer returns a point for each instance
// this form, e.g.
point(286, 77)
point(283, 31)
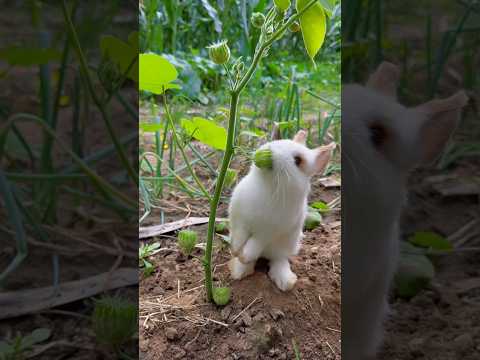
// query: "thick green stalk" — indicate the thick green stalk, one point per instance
point(227, 157)
point(105, 114)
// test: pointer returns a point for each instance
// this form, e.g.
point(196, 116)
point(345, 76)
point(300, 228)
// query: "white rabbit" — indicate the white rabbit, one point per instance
point(268, 208)
point(382, 141)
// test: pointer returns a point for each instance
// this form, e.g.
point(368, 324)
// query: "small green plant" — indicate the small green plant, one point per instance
point(230, 177)
point(115, 321)
point(144, 252)
point(16, 348)
point(187, 240)
point(221, 227)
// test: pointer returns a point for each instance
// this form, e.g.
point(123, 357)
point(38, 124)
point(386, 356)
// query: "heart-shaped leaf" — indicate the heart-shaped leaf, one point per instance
point(156, 73)
point(206, 131)
point(314, 25)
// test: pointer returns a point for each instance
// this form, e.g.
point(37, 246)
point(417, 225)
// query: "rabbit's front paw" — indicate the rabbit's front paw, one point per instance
point(238, 270)
point(282, 275)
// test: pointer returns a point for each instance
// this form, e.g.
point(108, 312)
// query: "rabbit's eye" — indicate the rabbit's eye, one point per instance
point(298, 160)
point(378, 134)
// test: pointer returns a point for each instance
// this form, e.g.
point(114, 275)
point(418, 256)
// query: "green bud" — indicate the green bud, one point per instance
point(263, 159)
point(221, 295)
point(219, 52)
point(312, 220)
point(294, 27)
point(230, 177)
point(187, 239)
point(257, 19)
point(282, 5)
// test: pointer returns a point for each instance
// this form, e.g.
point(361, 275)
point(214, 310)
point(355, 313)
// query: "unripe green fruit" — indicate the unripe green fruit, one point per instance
point(187, 239)
point(282, 5)
point(312, 220)
point(294, 27)
point(221, 295)
point(258, 19)
point(219, 52)
point(263, 159)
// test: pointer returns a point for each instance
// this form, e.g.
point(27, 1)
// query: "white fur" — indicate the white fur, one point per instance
point(267, 212)
point(374, 192)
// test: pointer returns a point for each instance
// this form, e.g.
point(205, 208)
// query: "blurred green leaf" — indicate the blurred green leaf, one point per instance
point(430, 240)
point(321, 206)
point(122, 53)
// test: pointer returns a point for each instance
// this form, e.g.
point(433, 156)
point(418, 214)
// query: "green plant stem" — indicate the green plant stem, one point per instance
point(105, 115)
point(182, 150)
point(229, 150)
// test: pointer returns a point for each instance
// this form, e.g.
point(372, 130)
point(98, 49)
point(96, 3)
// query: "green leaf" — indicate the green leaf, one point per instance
point(121, 53)
point(28, 56)
point(147, 127)
point(282, 5)
point(414, 273)
point(313, 24)
point(321, 206)
point(156, 72)
point(328, 6)
point(206, 131)
point(430, 240)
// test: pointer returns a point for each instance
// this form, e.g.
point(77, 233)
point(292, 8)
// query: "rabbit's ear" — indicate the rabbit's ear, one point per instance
point(441, 119)
point(300, 137)
point(384, 80)
point(322, 157)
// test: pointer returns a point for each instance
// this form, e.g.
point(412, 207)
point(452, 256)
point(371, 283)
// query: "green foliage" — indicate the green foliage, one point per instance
point(206, 131)
point(221, 227)
point(144, 252)
point(16, 348)
point(430, 240)
point(320, 206)
point(221, 295)
point(230, 177)
point(187, 240)
point(123, 53)
point(156, 73)
point(314, 26)
point(115, 321)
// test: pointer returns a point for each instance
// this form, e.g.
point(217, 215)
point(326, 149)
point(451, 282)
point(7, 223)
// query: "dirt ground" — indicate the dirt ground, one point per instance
point(443, 321)
point(260, 322)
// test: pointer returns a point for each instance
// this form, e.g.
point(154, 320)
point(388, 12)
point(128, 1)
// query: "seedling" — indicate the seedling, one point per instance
point(115, 321)
point(144, 252)
point(187, 239)
point(16, 348)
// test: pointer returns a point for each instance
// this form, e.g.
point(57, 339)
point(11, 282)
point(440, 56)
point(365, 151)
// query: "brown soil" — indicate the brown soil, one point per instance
point(260, 322)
